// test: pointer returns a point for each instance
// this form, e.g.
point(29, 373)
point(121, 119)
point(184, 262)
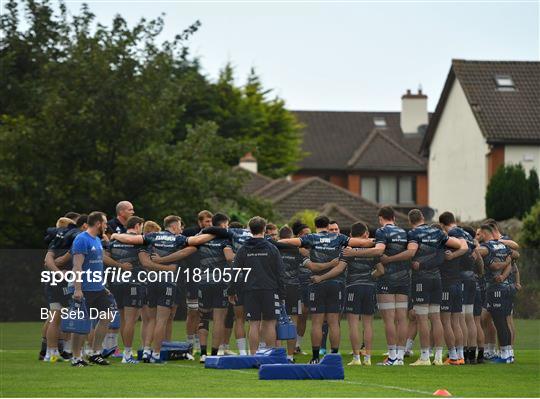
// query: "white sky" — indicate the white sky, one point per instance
point(344, 55)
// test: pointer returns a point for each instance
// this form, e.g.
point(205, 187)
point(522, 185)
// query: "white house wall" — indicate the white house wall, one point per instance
point(457, 161)
point(528, 156)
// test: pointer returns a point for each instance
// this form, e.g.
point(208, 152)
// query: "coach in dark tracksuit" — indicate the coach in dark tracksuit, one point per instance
point(262, 285)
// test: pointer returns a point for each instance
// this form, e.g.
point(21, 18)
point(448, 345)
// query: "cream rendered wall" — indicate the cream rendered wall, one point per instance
point(526, 155)
point(457, 161)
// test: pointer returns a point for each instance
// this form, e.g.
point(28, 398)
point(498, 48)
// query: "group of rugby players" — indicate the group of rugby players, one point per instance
point(451, 285)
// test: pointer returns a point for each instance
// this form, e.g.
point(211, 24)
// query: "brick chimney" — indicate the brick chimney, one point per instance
point(413, 111)
point(248, 162)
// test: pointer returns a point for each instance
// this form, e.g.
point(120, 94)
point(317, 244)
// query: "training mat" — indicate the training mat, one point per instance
point(266, 356)
point(330, 368)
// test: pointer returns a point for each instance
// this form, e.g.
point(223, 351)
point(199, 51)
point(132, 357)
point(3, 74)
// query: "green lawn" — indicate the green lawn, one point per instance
point(22, 375)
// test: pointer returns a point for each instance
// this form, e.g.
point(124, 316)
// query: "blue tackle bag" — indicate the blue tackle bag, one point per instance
point(285, 328)
point(77, 320)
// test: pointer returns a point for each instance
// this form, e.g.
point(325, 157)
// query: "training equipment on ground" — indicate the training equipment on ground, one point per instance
point(262, 357)
point(285, 328)
point(78, 320)
point(172, 350)
point(330, 368)
point(441, 392)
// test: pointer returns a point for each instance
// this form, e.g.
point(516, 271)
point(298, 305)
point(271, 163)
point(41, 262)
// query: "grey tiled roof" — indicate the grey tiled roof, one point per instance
point(332, 138)
point(504, 116)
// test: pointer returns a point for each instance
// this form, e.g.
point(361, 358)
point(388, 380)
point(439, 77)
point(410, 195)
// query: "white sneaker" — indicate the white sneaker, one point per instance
point(398, 362)
point(202, 359)
point(189, 356)
point(228, 352)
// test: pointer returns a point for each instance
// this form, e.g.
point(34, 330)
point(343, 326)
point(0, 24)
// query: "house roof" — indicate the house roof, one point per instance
point(254, 182)
point(504, 116)
point(333, 139)
point(290, 197)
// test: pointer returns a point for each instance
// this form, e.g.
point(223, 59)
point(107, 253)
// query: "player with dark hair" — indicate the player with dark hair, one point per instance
point(497, 257)
point(263, 285)
point(360, 292)
point(427, 246)
point(467, 268)
point(326, 298)
point(292, 260)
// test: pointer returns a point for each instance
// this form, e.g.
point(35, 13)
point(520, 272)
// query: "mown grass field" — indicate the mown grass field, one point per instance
point(22, 375)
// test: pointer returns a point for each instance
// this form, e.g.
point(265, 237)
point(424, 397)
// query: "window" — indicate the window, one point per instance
point(504, 83)
point(389, 189)
point(406, 190)
point(369, 188)
point(379, 121)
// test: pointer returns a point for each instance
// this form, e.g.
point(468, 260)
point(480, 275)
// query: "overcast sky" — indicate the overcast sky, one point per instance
point(344, 55)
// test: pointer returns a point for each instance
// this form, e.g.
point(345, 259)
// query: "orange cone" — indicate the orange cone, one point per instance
point(441, 392)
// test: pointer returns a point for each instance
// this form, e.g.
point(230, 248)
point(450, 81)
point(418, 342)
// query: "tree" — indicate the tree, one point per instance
point(530, 233)
point(89, 115)
point(534, 187)
point(307, 217)
point(250, 116)
point(508, 193)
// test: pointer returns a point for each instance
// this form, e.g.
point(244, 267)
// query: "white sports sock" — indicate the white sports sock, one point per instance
point(241, 345)
point(490, 348)
point(67, 346)
point(511, 351)
point(438, 353)
point(127, 352)
point(290, 357)
point(424, 354)
point(299, 341)
point(147, 349)
point(391, 351)
point(367, 357)
point(190, 339)
point(114, 339)
point(452, 354)
point(409, 345)
point(400, 352)
point(460, 352)
point(155, 355)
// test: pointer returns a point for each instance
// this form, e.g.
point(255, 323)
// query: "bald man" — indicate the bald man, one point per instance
point(124, 210)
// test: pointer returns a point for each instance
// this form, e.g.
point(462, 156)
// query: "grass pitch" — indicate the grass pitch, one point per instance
point(22, 375)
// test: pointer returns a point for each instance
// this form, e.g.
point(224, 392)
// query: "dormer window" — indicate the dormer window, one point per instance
point(504, 83)
point(379, 121)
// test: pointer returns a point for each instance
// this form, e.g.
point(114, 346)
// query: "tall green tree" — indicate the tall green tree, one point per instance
point(534, 186)
point(510, 193)
point(90, 115)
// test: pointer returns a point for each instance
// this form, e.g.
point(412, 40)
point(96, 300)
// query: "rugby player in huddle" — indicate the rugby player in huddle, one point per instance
point(461, 288)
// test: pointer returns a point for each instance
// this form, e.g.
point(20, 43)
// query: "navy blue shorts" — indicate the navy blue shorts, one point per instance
point(452, 298)
point(292, 299)
point(326, 297)
point(469, 292)
point(427, 291)
point(192, 291)
point(304, 295)
point(59, 293)
point(100, 300)
point(360, 299)
point(261, 305)
point(479, 301)
point(499, 300)
point(128, 295)
point(383, 287)
point(213, 296)
point(161, 294)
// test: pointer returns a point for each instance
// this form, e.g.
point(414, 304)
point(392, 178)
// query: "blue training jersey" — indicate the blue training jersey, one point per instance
point(395, 240)
point(89, 246)
point(430, 254)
